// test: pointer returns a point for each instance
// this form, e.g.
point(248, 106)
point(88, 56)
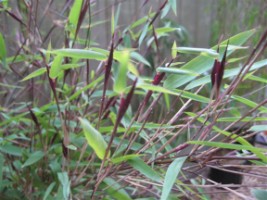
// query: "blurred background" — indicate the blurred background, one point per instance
point(199, 23)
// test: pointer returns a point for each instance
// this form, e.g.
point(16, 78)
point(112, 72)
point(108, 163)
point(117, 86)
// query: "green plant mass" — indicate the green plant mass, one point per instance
point(132, 100)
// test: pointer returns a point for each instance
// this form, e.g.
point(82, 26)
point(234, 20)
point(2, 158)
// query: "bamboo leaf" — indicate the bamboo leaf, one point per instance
point(2, 50)
point(120, 82)
point(229, 146)
point(201, 63)
point(49, 190)
point(116, 190)
point(176, 92)
point(228, 73)
point(171, 175)
point(173, 51)
point(79, 53)
point(173, 4)
point(249, 103)
point(143, 34)
point(260, 194)
point(258, 128)
point(33, 158)
point(124, 158)
point(64, 180)
point(144, 169)
point(11, 149)
point(56, 67)
point(139, 58)
point(74, 16)
point(2, 160)
point(239, 139)
point(176, 71)
point(34, 74)
point(205, 52)
point(94, 139)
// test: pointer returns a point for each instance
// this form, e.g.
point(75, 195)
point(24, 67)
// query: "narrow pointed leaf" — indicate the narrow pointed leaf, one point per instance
point(116, 190)
point(201, 63)
point(173, 4)
point(190, 50)
point(74, 16)
point(56, 67)
point(94, 139)
point(176, 71)
point(228, 73)
point(171, 176)
point(79, 53)
point(49, 190)
point(144, 169)
point(173, 51)
point(64, 180)
point(259, 194)
point(228, 146)
point(143, 34)
point(33, 158)
point(121, 78)
point(139, 58)
point(2, 50)
point(36, 73)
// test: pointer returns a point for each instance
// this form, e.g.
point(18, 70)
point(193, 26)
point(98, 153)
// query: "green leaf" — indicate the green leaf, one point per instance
point(64, 180)
point(229, 146)
point(80, 91)
point(115, 190)
point(246, 119)
point(72, 147)
point(255, 150)
point(120, 82)
point(258, 128)
point(56, 67)
point(117, 15)
point(260, 194)
point(173, 4)
point(112, 21)
point(79, 53)
point(176, 92)
point(201, 63)
point(144, 169)
point(143, 34)
point(94, 139)
point(256, 78)
point(33, 158)
point(173, 51)
point(167, 101)
point(34, 74)
point(249, 103)
point(2, 50)
point(176, 71)
point(227, 73)
point(49, 190)
point(163, 30)
point(171, 175)
point(165, 10)
point(124, 158)
point(205, 52)
point(74, 16)
point(141, 20)
point(139, 58)
point(239, 139)
point(193, 96)
point(11, 150)
point(2, 159)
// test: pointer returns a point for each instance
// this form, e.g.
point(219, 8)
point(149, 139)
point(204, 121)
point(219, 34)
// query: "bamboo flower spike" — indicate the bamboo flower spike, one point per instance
point(217, 72)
